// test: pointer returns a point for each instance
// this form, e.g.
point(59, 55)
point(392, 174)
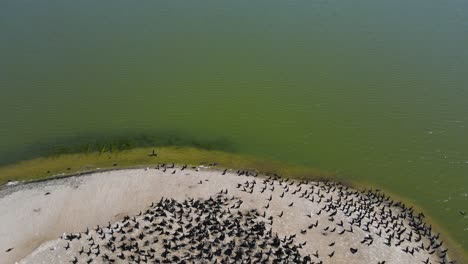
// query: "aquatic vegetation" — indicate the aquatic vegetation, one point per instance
point(90, 143)
point(64, 164)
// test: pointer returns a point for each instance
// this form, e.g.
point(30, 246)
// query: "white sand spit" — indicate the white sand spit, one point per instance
point(203, 215)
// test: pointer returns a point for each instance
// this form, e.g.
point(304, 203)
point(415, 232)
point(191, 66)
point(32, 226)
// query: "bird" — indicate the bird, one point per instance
point(184, 226)
point(316, 254)
point(8, 250)
point(153, 154)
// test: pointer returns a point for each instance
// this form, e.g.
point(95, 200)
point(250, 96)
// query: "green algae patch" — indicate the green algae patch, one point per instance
point(71, 164)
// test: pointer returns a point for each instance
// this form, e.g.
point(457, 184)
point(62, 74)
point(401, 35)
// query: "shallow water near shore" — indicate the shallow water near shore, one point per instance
point(373, 91)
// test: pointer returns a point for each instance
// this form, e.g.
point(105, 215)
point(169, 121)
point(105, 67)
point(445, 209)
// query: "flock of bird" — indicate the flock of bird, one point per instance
point(191, 231)
point(219, 229)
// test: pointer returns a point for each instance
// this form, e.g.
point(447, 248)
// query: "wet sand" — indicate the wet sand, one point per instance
point(340, 224)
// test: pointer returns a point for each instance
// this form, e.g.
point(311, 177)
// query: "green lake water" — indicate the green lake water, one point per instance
point(372, 90)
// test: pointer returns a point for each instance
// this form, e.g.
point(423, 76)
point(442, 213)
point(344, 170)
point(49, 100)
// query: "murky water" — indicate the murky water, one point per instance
point(374, 90)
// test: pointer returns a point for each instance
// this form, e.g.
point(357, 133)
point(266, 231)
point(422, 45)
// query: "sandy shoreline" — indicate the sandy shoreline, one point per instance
point(34, 216)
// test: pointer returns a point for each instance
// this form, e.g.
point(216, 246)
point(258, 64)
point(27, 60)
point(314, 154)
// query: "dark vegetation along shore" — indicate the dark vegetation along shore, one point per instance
point(105, 143)
point(57, 166)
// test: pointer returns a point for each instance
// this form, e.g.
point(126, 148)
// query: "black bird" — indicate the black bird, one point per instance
point(47, 193)
point(8, 250)
point(316, 254)
point(153, 154)
point(121, 256)
point(183, 221)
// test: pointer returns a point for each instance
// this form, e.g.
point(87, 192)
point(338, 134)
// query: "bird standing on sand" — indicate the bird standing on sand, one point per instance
point(186, 226)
